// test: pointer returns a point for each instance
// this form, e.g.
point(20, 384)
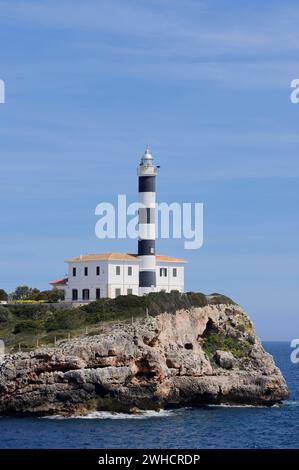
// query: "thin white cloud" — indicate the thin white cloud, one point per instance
point(245, 49)
point(242, 31)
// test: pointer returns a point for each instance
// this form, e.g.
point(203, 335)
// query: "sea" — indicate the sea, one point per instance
point(211, 427)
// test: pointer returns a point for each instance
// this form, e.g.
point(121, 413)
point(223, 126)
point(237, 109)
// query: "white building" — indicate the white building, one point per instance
point(91, 277)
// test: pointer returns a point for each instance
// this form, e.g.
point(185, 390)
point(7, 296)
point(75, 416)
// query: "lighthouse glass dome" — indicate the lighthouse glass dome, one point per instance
point(147, 159)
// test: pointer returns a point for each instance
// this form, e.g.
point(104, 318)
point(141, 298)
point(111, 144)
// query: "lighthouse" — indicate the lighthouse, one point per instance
point(147, 173)
point(93, 276)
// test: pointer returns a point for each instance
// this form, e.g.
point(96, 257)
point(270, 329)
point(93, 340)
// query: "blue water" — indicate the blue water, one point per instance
point(213, 427)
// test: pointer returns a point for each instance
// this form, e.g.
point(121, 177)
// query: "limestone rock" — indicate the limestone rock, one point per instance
point(224, 359)
point(190, 358)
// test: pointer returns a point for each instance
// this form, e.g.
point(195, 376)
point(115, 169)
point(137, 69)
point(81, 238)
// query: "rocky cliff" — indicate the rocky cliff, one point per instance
point(207, 355)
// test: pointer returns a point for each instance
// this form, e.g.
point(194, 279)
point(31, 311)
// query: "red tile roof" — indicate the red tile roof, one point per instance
point(59, 282)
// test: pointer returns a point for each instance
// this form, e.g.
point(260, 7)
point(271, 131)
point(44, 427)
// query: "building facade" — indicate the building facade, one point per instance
point(91, 277)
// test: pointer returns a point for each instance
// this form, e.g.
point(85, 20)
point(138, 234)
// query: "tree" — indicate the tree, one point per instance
point(3, 295)
point(25, 293)
point(34, 294)
point(53, 295)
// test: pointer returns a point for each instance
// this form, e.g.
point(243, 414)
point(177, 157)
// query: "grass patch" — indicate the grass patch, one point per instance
point(219, 341)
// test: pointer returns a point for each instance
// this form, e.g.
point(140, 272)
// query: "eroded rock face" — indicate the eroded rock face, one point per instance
point(224, 359)
point(206, 355)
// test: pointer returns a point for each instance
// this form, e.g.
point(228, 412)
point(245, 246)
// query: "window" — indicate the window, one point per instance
point(130, 270)
point(85, 294)
point(118, 270)
point(129, 291)
point(163, 272)
point(86, 271)
point(98, 294)
point(174, 272)
point(117, 292)
point(98, 270)
point(148, 215)
point(75, 294)
point(74, 272)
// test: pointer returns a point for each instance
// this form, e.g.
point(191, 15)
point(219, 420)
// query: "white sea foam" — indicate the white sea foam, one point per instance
point(112, 415)
point(291, 402)
point(224, 405)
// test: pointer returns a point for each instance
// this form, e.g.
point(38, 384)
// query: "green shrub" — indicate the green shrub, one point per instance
point(217, 340)
point(28, 326)
point(121, 308)
point(216, 299)
point(66, 319)
point(158, 302)
point(30, 312)
point(5, 314)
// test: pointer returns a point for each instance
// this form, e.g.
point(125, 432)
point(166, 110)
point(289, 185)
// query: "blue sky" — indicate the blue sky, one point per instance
point(207, 84)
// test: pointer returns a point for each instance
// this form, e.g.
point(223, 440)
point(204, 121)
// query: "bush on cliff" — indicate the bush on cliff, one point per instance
point(124, 307)
point(5, 314)
point(47, 321)
point(218, 341)
point(28, 326)
point(66, 319)
point(30, 311)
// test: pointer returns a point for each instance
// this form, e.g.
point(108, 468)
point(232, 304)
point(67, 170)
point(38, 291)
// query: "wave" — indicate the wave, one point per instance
point(291, 402)
point(113, 415)
point(226, 405)
point(277, 405)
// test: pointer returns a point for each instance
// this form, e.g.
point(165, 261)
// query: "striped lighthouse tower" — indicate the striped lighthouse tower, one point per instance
point(147, 173)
